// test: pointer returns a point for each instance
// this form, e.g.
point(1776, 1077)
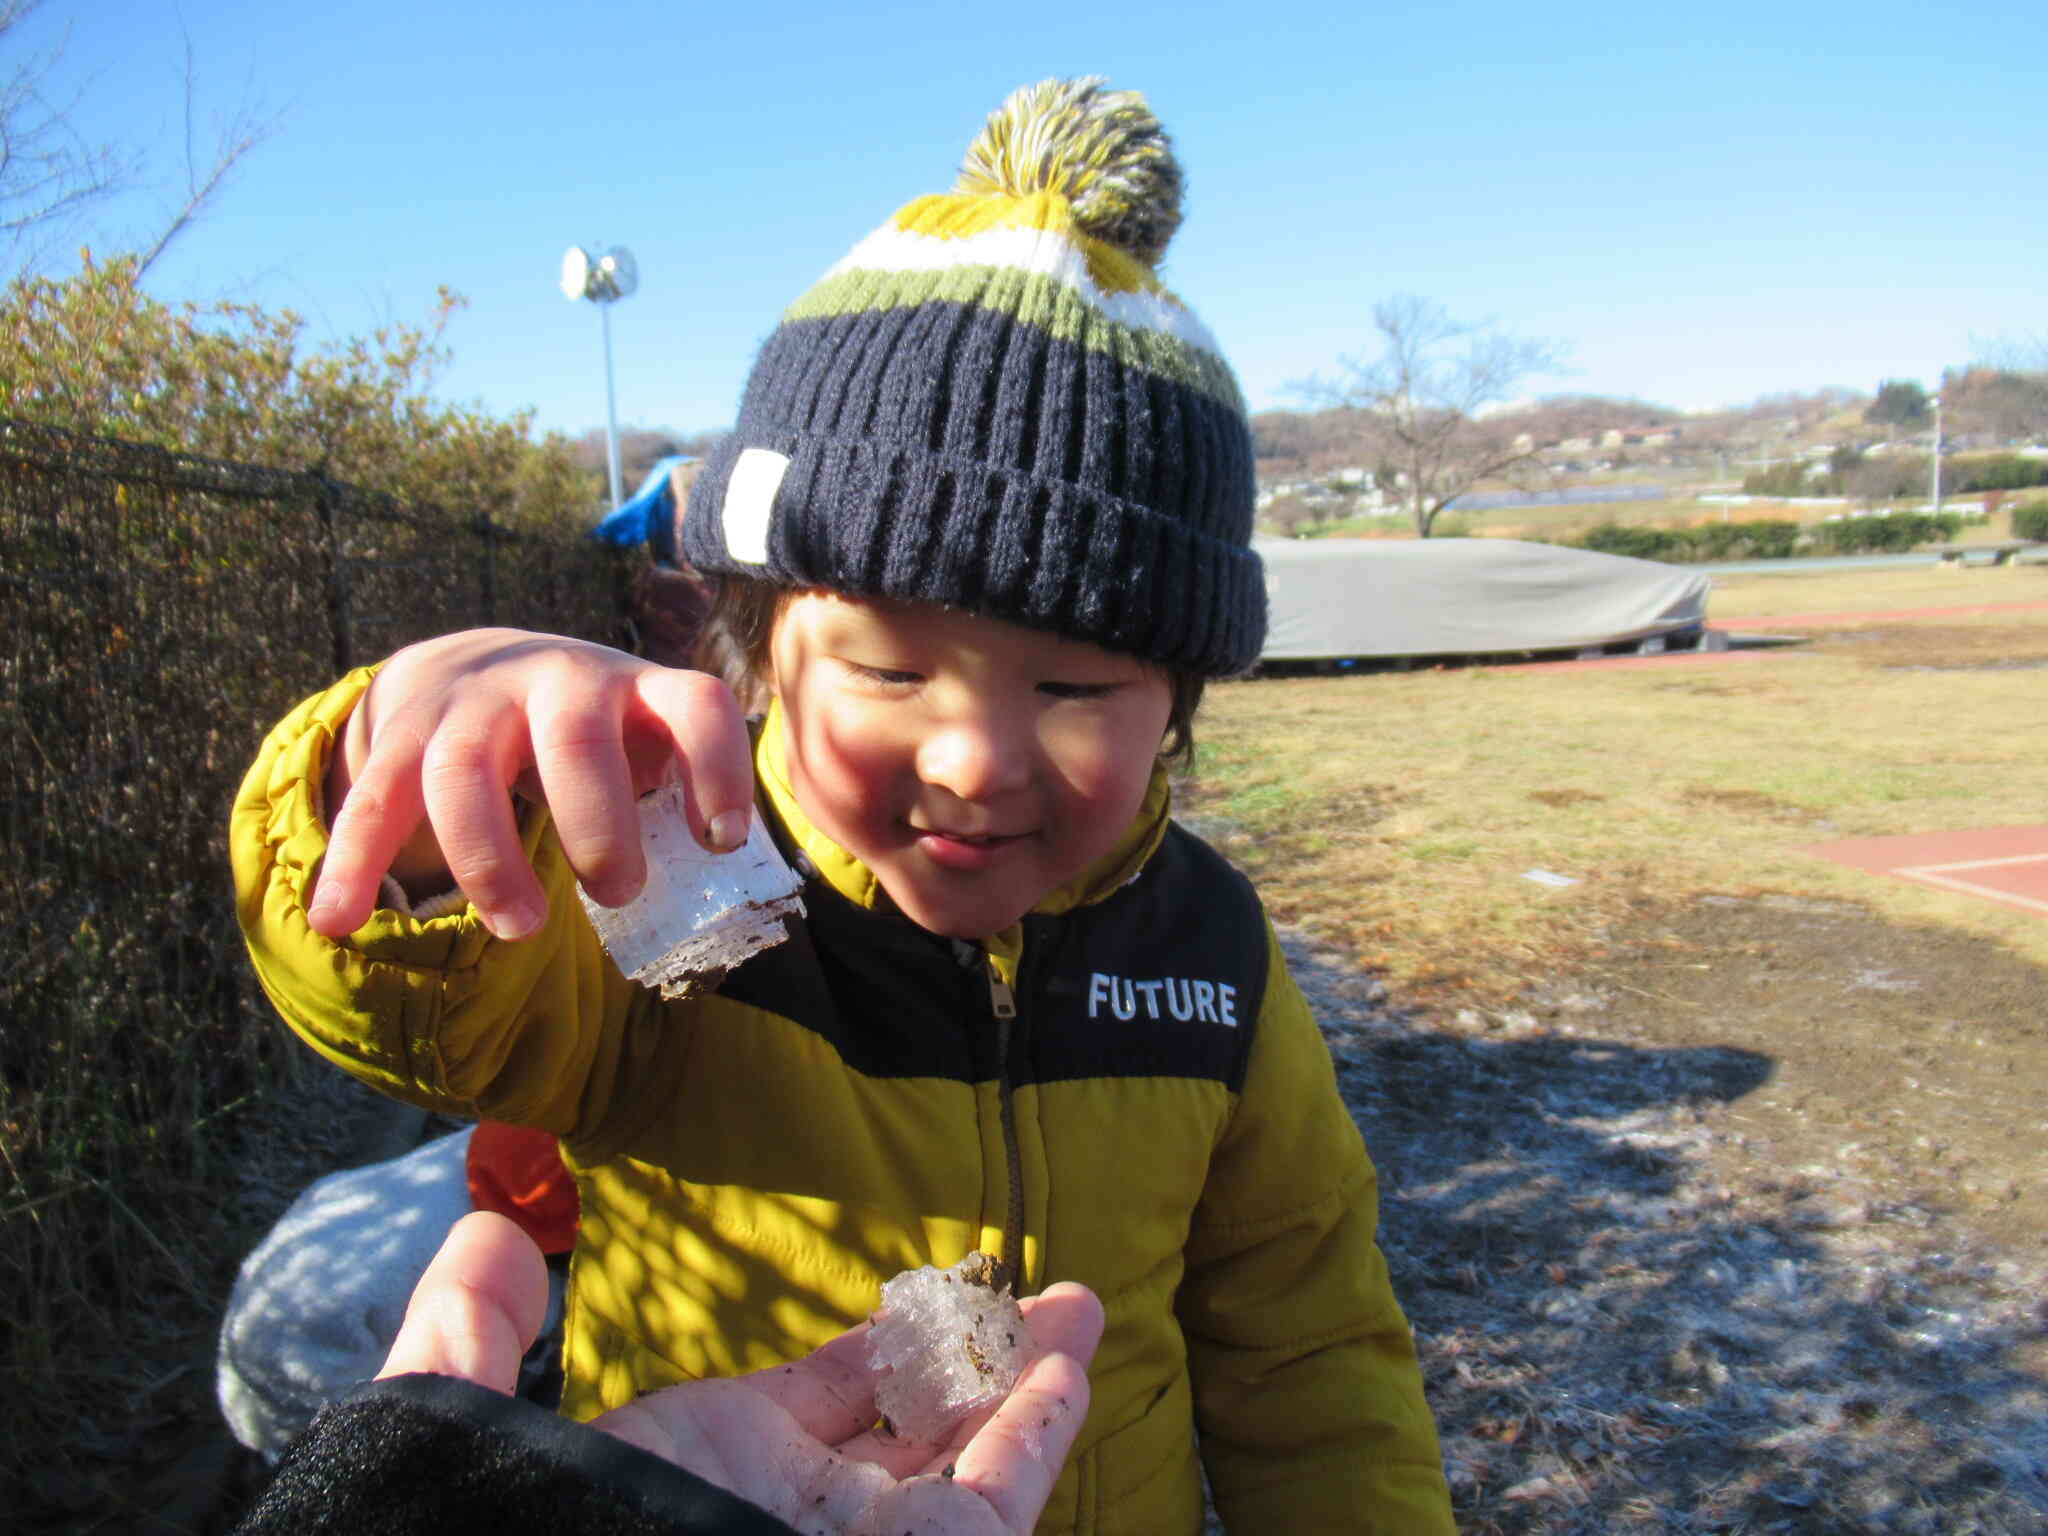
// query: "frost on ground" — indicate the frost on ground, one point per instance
point(1629, 1321)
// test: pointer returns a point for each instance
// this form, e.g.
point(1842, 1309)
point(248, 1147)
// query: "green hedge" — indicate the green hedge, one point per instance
point(1792, 478)
point(1760, 539)
point(1998, 472)
point(1888, 532)
point(2030, 520)
point(1775, 539)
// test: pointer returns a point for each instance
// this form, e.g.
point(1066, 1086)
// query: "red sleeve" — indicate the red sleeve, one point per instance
point(519, 1174)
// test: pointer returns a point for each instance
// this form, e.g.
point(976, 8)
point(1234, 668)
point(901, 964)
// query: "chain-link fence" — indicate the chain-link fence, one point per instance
point(158, 612)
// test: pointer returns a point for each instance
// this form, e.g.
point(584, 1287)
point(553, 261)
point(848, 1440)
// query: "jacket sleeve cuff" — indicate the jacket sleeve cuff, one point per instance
point(391, 896)
point(429, 1454)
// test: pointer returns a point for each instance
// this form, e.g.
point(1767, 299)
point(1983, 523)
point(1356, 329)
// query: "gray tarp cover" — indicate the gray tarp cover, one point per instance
point(1442, 597)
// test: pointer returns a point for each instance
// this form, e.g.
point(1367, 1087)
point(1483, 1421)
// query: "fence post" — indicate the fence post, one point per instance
point(487, 531)
point(327, 506)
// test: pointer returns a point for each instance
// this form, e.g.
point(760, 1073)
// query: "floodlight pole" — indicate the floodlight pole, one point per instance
point(611, 409)
point(1935, 474)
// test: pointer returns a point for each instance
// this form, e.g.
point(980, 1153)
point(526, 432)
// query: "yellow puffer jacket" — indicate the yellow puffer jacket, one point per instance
point(1125, 1089)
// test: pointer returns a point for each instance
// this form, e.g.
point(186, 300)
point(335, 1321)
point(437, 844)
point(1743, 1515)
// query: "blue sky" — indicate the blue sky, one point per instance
point(1746, 200)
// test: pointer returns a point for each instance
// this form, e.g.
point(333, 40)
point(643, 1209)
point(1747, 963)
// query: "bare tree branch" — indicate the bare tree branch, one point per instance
point(50, 175)
point(48, 172)
point(2013, 353)
point(1426, 396)
point(238, 136)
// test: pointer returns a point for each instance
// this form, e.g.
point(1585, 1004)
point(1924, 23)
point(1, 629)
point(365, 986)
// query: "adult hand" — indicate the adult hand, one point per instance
point(421, 784)
point(798, 1440)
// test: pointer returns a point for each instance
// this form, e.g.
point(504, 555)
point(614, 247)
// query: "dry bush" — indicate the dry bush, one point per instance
point(159, 611)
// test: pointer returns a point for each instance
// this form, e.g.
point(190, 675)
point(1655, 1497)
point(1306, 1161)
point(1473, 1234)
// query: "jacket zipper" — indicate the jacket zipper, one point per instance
point(1003, 1003)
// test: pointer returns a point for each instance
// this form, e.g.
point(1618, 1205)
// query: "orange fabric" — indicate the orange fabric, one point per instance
point(519, 1173)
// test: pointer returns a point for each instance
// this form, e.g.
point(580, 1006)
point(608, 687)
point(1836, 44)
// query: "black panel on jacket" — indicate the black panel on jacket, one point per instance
point(894, 1000)
point(434, 1455)
point(1164, 978)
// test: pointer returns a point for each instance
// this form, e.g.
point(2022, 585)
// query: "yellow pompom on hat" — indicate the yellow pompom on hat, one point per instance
point(992, 402)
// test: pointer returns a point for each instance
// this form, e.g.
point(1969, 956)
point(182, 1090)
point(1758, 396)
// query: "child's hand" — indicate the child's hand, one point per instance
point(422, 783)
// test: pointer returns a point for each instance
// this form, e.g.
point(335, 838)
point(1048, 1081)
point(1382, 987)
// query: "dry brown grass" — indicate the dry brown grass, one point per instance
point(1677, 1190)
point(1881, 590)
point(1394, 815)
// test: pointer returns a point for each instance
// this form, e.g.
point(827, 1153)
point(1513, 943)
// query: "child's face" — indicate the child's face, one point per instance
point(973, 765)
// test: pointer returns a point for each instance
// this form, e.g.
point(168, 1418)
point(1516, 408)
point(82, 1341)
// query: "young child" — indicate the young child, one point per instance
point(983, 531)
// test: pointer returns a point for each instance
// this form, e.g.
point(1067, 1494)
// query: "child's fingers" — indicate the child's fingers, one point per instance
point(704, 724)
point(590, 728)
point(588, 782)
point(383, 808)
point(465, 779)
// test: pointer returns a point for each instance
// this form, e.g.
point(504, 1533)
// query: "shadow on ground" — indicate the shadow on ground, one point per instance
point(1618, 1335)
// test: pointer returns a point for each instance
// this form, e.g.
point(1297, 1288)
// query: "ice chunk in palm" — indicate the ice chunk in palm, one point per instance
point(700, 914)
point(948, 1343)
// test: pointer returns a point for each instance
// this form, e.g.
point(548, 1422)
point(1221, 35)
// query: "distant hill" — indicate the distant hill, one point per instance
point(1298, 444)
point(1983, 409)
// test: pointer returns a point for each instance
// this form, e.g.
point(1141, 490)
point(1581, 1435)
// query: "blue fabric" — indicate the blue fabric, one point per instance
point(648, 516)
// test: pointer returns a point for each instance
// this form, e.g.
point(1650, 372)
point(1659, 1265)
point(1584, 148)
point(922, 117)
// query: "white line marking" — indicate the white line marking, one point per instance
point(2018, 858)
point(1968, 888)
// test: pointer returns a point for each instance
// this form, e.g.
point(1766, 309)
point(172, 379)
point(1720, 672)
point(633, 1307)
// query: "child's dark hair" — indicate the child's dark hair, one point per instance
point(733, 645)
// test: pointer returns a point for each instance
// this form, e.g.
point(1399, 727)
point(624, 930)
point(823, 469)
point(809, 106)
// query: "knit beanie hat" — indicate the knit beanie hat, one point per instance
point(993, 403)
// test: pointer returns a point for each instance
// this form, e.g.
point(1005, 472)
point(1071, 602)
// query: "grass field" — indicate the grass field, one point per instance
point(1396, 814)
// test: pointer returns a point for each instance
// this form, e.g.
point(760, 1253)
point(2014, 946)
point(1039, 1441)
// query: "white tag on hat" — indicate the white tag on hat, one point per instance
point(750, 503)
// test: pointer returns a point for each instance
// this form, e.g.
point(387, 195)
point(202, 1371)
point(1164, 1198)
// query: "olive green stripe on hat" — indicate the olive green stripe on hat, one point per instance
point(1043, 302)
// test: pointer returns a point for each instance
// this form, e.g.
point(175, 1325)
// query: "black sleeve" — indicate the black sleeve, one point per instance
point(434, 1455)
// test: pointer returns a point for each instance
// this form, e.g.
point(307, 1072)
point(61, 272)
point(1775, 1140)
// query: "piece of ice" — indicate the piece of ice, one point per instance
point(948, 1343)
point(700, 914)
